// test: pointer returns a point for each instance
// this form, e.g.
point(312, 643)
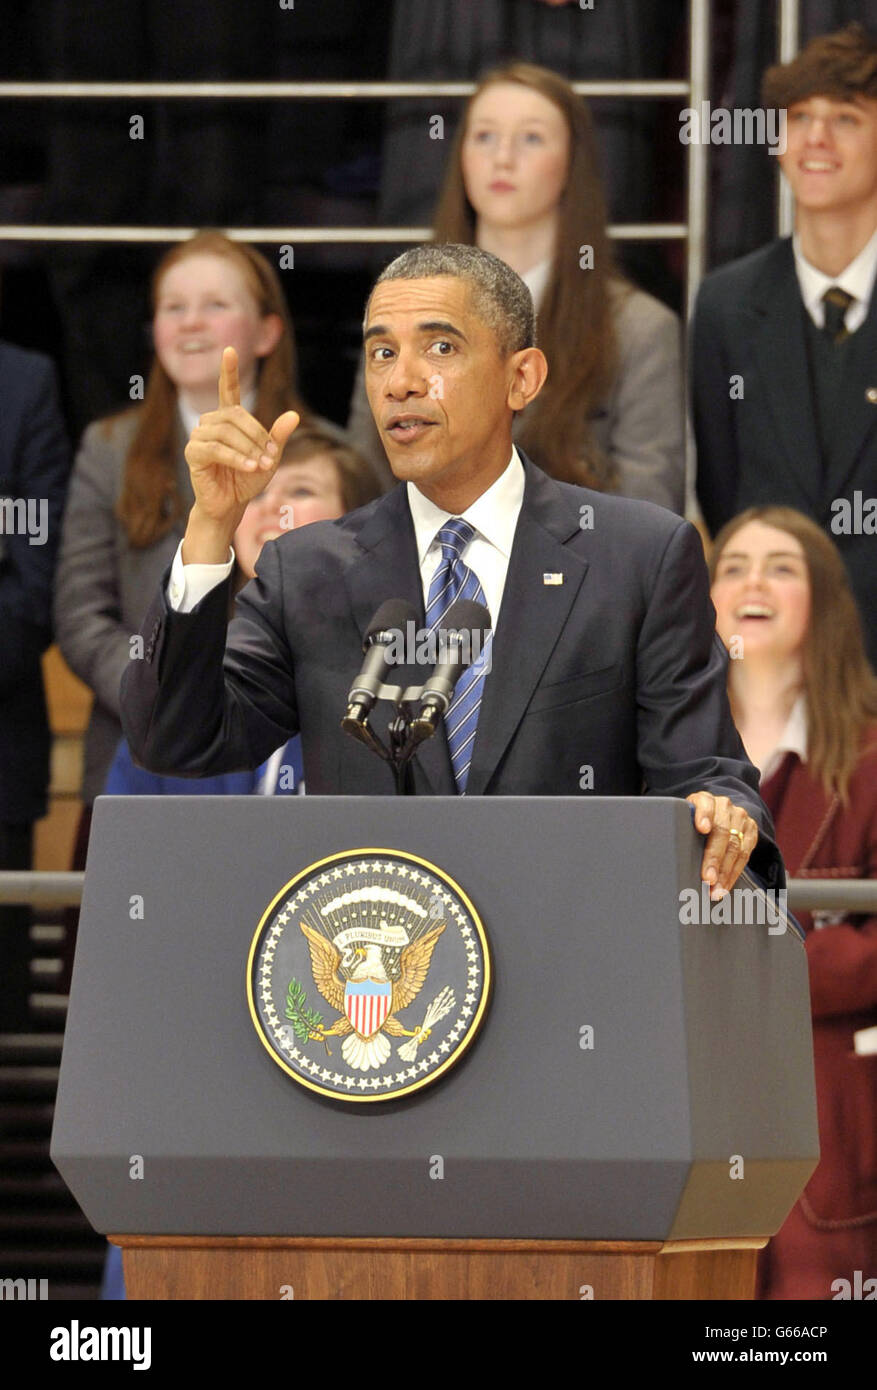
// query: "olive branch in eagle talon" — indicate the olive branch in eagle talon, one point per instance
point(414, 962)
point(303, 1020)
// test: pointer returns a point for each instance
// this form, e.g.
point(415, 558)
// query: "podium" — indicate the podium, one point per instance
point(634, 1119)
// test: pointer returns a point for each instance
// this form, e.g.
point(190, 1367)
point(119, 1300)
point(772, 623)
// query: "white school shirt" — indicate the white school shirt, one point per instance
point(857, 279)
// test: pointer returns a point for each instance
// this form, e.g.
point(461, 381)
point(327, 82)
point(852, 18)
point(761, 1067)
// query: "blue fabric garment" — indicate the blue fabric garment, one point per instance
point(113, 1285)
point(125, 779)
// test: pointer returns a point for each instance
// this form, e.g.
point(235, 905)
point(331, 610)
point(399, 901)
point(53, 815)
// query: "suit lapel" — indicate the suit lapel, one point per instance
point(858, 417)
point(780, 348)
point(531, 618)
point(802, 817)
point(388, 568)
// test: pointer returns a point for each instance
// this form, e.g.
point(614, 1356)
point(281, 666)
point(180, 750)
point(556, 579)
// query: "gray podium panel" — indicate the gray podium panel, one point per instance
point(691, 1115)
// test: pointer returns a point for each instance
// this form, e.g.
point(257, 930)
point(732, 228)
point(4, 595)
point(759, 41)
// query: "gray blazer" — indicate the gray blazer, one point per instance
point(104, 586)
point(641, 427)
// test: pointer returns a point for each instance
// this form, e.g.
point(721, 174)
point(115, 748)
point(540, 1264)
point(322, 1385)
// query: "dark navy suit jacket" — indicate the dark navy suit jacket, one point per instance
point(616, 668)
point(763, 447)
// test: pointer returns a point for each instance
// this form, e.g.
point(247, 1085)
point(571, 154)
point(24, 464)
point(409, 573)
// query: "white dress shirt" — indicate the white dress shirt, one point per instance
point(494, 515)
point(857, 279)
point(191, 417)
point(536, 281)
point(792, 740)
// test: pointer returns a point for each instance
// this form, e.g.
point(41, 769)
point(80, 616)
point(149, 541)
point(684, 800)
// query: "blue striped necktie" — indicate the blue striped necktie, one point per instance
point(454, 580)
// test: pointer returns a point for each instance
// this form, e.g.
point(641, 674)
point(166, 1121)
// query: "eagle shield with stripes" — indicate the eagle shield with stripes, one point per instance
point(367, 1004)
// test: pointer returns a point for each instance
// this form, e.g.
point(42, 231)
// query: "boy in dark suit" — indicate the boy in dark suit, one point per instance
point(784, 341)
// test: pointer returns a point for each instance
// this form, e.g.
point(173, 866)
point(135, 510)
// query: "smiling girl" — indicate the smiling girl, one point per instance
point(130, 492)
point(805, 701)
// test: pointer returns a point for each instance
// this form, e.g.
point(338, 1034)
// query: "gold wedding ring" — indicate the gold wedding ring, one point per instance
point(738, 833)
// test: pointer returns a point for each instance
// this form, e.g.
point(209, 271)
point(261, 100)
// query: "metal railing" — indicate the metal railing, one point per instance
point(40, 888)
point(308, 91)
point(789, 24)
point(314, 236)
point(805, 894)
point(694, 89)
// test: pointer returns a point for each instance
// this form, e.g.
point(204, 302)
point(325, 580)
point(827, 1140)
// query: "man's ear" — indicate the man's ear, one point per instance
point(529, 368)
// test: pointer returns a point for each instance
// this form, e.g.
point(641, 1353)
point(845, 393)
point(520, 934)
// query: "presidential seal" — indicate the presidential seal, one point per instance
point(369, 975)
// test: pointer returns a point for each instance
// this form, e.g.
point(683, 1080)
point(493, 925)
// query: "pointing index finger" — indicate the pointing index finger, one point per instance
point(229, 385)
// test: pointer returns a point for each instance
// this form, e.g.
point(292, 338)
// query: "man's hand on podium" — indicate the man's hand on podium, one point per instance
point(231, 458)
point(732, 835)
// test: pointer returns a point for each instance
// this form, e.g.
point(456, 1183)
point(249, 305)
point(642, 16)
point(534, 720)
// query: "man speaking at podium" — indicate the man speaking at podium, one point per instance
point(606, 675)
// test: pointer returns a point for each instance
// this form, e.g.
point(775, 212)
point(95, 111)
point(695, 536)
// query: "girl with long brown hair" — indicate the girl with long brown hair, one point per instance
point(805, 701)
point(523, 182)
point(130, 493)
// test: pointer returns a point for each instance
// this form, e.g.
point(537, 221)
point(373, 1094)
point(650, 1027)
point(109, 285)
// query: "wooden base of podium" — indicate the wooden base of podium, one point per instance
point(276, 1267)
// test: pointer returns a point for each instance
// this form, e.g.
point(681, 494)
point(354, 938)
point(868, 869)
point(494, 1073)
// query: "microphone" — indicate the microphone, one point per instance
point(463, 623)
point(383, 629)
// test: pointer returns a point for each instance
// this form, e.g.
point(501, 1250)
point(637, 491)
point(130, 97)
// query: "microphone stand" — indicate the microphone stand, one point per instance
point(400, 754)
point(402, 745)
point(411, 726)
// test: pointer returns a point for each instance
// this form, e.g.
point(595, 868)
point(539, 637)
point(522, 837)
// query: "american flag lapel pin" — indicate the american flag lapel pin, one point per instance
point(552, 578)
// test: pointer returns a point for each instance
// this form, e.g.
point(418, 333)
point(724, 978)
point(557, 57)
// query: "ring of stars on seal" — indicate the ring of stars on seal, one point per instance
point(369, 975)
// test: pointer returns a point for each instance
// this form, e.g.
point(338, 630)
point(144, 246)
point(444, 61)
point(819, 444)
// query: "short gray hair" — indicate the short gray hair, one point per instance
point(500, 296)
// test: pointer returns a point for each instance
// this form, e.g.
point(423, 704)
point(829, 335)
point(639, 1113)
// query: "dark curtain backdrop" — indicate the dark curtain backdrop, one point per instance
point(200, 163)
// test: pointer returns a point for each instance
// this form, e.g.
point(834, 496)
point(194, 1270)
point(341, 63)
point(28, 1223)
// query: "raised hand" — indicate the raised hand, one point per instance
point(231, 459)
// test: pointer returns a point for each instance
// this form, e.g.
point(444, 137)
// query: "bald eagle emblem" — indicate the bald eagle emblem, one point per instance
point(394, 949)
point(355, 982)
